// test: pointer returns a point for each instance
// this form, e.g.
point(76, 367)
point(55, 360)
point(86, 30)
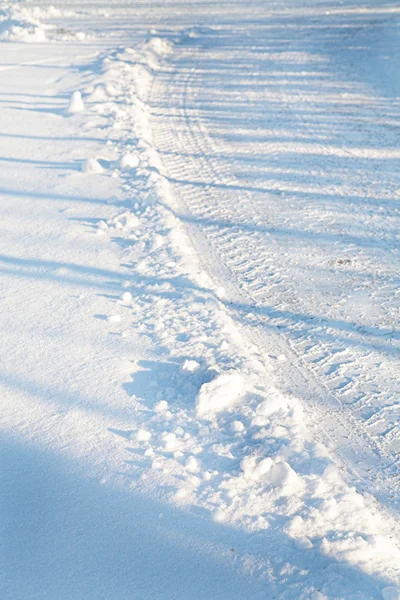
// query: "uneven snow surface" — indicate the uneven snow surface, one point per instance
point(199, 300)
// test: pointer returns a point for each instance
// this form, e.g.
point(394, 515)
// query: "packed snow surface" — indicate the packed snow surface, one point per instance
point(199, 300)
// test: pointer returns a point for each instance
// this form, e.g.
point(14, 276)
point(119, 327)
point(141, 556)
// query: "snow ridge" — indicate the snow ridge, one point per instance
point(22, 25)
point(213, 434)
point(27, 23)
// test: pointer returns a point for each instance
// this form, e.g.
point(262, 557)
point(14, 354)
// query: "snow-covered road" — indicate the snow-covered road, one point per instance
point(285, 157)
point(199, 300)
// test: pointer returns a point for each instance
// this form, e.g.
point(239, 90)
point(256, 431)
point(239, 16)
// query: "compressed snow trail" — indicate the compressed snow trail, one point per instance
point(67, 529)
point(199, 344)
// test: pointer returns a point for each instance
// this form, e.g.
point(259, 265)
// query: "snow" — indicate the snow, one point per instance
point(219, 394)
point(90, 165)
point(126, 297)
point(237, 427)
point(390, 593)
point(114, 318)
point(76, 105)
point(199, 303)
point(18, 24)
point(143, 435)
point(128, 161)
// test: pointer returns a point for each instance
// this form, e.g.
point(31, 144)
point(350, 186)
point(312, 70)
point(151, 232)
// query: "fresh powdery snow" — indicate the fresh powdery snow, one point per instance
point(199, 300)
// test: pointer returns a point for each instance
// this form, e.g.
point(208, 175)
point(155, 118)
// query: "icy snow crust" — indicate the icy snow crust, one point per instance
point(224, 418)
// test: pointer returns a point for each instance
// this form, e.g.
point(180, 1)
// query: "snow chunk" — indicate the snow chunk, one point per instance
point(237, 427)
point(126, 297)
point(91, 165)
point(143, 435)
point(128, 161)
point(76, 104)
point(192, 464)
point(171, 443)
point(256, 468)
point(190, 366)
point(102, 225)
point(281, 474)
point(220, 393)
point(161, 406)
point(159, 46)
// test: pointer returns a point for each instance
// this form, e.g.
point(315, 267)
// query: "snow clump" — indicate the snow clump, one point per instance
point(91, 165)
point(126, 297)
point(220, 393)
point(128, 161)
point(76, 104)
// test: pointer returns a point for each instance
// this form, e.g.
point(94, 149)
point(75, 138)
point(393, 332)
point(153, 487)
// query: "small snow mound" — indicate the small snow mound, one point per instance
point(391, 593)
point(102, 225)
point(237, 427)
point(192, 464)
point(171, 443)
point(159, 46)
point(76, 104)
point(220, 393)
point(91, 165)
point(190, 366)
point(128, 161)
point(126, 297)
point(99, 93)
point(161, 406)
point(281, 474)
point(256, 468)
point(143, 435)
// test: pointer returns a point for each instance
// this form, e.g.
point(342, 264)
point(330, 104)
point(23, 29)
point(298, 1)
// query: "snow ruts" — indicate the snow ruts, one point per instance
point(355, 371)
point(260, 459)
